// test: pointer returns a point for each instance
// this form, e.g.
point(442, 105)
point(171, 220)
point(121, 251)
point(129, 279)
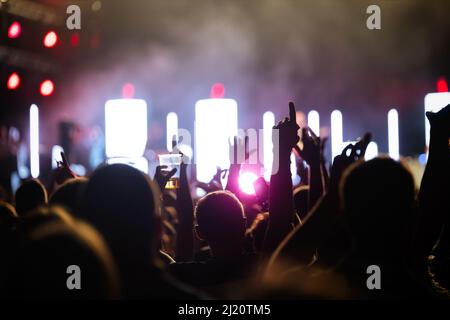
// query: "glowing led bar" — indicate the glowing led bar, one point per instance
point(215, 123)
point(140, 163)
point(314, 122)
point(336, 133)
point(268, 123)
point(125, 128)
point(371, 151)
point(34, 141)
point(172, 129)
point(393, 135)
point(434, 102)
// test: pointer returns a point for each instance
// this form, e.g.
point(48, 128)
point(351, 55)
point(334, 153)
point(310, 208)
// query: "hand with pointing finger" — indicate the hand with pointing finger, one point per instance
point(287, 132)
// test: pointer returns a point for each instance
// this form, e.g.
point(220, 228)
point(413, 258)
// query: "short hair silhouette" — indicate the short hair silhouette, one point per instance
point(378, 197)
point(8, 216)
point(69, 195)
point(29, 196)
point(40, 267)
point(220, 217)
point(120, 203)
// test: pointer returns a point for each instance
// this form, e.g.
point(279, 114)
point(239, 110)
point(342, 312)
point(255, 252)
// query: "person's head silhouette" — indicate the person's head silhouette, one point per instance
point(120, 202)
point(221, 221)
point(378, 198)
point(30, 196)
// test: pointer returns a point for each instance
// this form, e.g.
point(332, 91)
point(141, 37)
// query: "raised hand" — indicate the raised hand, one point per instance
point(162, 176)
point(287, 132)
point(312, 147)
point(63, 172)
point(349, 155)
point(440, 122)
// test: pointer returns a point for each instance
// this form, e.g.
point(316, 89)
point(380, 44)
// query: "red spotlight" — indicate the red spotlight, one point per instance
point(50, 39)
point(75, 39)
point(128, 91)
point(47, 88)
point(441, 85)
point(217, 91)
point(13, 81)
point(14, 30)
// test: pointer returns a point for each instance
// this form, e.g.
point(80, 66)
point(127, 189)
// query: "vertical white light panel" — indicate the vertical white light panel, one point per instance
point(336, 134)
point(172, 129)
point(268, 123)
point(34, 141)
point(216, 121)
point(314, 122)
point(125, 128)
point(393, 135)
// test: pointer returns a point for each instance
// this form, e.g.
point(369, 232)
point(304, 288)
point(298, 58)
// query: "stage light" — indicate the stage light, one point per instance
point(13, 81)
point(371, 151)
point(50, 39)
point(216, 121)
point(75, 39)
point(217, 91)
point(336, 134)
point(246, 181)
point(393, 135)
point(128, 91)
point(171, 129)
point(125, 128)
point(268, 123)
point(140, 163)
point(314, 122)
point(34, 141)
point(433, 103)
point(14, 31)
point(47, 88)
point(441, 85)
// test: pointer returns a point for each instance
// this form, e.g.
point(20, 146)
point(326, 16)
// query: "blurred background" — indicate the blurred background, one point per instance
point(318, 53)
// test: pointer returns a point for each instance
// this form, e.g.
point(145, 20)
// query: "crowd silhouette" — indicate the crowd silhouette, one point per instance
point(133, 239)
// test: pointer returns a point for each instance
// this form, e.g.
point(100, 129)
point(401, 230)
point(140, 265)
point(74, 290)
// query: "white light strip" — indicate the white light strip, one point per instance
point(393, 135)
point(268, 123)
point(314, 122)
point(216, 122)
point(125, 128)
point(336, 134)
point(34, 141)
point(171, 129)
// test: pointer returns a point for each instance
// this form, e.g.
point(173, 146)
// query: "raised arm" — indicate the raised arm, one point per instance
point(281, 205)
point(435, 186)
point(185, 209)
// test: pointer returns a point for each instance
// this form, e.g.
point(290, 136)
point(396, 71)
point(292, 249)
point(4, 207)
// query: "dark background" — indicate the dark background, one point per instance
point(317, 53)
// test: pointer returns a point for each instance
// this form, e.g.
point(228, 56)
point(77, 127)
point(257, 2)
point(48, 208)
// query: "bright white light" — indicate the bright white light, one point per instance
point(246, 181)
point(172, 129)
point(268, 123)
point(295, 178)
point(56, 155)
point(140, 163)
point(125, 128)
point(215, 124)
point(314, 122)
point(336, 134)
point(371, 151)
point(393, 136)
point(34, 141)
point(434, 102)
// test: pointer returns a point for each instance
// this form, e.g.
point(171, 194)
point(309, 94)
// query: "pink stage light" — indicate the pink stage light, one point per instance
point(128, 91)
point(50, 39)
point(217, 91)
point(14, 30)
point(246, 181)
point(47, 88)
point(13, 81)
